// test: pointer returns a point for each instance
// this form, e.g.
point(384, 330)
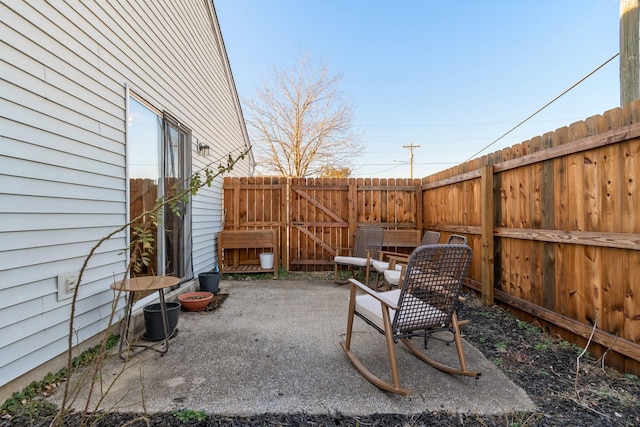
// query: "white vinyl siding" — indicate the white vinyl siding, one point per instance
point(64, 70)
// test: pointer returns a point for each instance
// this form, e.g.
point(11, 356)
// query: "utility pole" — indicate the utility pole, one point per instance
point(629, 51)
point(411, 147)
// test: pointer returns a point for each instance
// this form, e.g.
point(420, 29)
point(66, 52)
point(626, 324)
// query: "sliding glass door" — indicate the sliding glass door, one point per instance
point(159, 162)
point(176, 173)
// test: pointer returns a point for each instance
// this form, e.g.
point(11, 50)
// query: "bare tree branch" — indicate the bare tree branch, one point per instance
point(300, 125)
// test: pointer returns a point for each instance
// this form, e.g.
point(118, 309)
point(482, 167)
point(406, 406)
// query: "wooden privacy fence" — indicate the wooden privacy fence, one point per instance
point(553, 223)
point(316, 218)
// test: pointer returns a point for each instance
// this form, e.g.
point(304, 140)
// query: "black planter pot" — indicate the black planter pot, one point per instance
point(209, 281)
point(153, 320)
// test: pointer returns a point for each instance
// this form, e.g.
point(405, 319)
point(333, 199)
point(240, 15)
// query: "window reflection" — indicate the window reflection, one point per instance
point(145, 130)
point(144, 142)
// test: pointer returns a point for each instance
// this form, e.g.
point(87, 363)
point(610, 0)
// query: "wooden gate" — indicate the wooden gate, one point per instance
point(319, 221)
point(325, 212)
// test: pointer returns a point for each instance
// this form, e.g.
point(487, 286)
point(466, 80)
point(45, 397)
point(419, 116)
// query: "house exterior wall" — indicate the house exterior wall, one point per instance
point(64, 72)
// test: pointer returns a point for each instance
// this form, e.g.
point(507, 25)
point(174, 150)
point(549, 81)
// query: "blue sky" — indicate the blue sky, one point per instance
point(450, 76)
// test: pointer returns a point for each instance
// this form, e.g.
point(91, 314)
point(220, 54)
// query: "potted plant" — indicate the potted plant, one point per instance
point(210, 281)
point(195, 301)
point(153, 320)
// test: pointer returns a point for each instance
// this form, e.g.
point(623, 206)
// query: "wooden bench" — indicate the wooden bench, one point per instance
point(246, 239)
point(398, 239)
point(399, 243)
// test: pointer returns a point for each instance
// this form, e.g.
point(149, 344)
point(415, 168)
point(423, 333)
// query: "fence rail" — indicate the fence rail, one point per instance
point(553, 222)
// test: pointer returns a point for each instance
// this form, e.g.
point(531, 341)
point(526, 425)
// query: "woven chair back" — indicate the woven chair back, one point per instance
point(430, 238)
point(432, 284)
point(368, 239)
point(456, 239)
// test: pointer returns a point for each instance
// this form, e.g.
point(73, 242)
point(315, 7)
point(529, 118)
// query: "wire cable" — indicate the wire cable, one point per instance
point(543, 107)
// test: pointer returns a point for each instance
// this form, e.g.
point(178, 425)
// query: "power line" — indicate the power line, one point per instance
point(545, 106)
point(404, 163)
point(448, 124)
point(384, 170)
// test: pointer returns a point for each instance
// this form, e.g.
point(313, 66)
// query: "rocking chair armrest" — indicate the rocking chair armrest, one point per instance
point(383, 254)
point(393, 260)
point(368, 256)
point(380, 296)
point(404, 258)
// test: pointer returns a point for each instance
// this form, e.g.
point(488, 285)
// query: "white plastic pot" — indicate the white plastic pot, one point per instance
point(266, 260)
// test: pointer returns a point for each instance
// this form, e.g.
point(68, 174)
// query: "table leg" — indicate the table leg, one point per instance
point(124, 329)
point(165, 322)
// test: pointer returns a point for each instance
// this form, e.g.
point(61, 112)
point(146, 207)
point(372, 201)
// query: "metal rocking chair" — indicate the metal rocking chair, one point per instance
point(367, 243)
point(423, 305)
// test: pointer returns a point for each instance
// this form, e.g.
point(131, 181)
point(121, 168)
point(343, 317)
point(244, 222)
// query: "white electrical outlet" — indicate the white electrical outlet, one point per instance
point(67, 283)
point(70, 283)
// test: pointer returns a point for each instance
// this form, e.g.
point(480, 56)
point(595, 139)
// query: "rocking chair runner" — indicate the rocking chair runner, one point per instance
point(425, 304)
point(367, 243)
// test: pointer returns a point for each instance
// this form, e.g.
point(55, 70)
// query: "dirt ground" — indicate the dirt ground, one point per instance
point(544, 366)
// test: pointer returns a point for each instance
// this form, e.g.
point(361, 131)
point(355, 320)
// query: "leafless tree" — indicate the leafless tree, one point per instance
point(300, 125)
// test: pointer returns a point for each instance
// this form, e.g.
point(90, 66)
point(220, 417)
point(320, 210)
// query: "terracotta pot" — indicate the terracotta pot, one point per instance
point(194, 301)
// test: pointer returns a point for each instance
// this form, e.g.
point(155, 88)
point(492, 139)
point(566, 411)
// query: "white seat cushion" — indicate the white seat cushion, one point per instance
point(371, 308)
point(392, 277)
point(351, 260)
point(382, 266)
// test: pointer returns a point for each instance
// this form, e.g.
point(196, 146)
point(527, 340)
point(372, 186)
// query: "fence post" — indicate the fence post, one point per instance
point(353, 208)
point(419, 207)
point(285, 222)
point(486, 212)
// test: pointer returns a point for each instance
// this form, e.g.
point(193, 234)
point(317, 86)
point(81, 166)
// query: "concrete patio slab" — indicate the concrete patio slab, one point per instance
point(274, 347)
